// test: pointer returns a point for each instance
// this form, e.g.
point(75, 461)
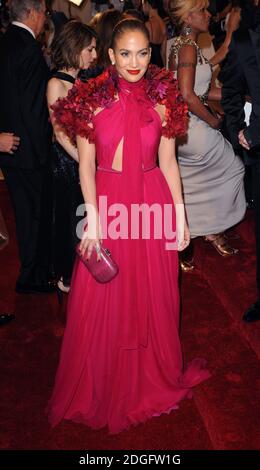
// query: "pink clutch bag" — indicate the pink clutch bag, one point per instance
point(104, 270)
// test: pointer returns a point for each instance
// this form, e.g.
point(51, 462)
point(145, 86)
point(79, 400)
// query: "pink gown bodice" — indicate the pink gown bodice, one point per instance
point(109, 130)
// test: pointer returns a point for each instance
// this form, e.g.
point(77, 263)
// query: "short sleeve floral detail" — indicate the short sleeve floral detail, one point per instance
point(74, 114)
point(163, 89)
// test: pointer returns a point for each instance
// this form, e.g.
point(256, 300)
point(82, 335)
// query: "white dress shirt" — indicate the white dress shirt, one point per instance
point(22, 25)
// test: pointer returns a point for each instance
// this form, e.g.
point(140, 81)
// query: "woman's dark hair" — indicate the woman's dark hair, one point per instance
point(67, 46)
point(154, 3)
point(133, 13)
point(242, 3)
point(128, 25)
point(104, 29)
point(158, 5)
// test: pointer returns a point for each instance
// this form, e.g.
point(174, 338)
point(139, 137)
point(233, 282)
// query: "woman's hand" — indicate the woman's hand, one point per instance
point(183, 233)
point(216, 122)
point(233, 20)
point(184, 243)
point(9, 142)
point(242, 140)
point(91, 239)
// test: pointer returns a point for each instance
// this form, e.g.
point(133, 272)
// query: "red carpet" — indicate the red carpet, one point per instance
point(224, 412)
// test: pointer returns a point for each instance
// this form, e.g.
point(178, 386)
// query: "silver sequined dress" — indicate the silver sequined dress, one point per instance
point(212, 175)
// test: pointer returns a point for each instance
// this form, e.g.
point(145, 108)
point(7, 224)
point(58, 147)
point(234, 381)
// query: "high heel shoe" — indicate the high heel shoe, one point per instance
point(220, 243)
point(187, 265)
point(186, 259)
point(62, 288)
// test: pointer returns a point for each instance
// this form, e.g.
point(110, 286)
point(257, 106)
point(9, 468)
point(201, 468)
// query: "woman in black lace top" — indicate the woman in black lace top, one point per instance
point(73, 49)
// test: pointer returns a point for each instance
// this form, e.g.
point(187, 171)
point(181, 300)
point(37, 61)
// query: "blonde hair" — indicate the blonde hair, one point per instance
point(179, 9)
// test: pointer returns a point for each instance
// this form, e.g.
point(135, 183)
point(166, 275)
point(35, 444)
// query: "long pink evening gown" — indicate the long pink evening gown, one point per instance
point(121, 360)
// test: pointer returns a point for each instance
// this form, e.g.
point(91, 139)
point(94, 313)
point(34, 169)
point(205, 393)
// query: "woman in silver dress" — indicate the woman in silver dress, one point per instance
point(212, 175)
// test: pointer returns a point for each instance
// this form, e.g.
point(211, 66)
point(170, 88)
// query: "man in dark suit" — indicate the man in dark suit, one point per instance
point(241, 77)
point(23, 111)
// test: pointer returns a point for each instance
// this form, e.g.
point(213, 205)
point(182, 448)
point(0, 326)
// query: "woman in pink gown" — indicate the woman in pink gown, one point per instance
point(121, 360)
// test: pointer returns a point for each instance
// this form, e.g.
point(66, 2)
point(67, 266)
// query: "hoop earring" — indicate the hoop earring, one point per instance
point(186, 30)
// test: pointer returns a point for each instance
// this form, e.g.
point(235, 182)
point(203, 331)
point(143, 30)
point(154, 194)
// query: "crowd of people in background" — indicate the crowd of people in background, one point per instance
point(162, 21)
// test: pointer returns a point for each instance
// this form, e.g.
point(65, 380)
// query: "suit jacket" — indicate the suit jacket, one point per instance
point(241, 76)
point(23, 104)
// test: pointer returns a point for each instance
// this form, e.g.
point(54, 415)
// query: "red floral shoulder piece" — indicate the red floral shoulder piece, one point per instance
point(74, 114)
point(163, 89)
